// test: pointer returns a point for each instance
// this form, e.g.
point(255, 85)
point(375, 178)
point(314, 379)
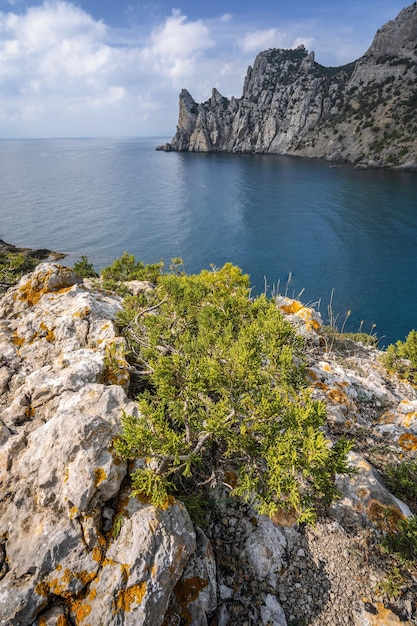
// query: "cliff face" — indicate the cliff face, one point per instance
point(363, 112)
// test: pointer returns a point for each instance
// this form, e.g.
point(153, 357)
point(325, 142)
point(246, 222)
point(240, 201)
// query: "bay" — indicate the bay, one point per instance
point(328, 227)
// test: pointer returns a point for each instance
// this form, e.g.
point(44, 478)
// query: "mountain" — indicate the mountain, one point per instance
point(363, 112)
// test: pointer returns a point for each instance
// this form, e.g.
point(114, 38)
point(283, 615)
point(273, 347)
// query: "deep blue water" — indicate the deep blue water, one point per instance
point(335, 228)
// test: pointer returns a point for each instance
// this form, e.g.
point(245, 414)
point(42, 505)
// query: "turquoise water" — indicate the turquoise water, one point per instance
point(329, 227)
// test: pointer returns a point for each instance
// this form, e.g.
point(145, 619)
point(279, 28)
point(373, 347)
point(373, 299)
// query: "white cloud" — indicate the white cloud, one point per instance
point(176, 46)
point(307, 42)
point(64, 73)
point(261, 40)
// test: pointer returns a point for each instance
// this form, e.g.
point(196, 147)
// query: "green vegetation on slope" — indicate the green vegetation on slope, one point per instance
point(13, 265)
point(223, 395)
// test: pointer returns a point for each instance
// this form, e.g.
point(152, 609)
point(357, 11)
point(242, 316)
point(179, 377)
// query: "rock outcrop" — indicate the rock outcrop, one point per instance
point(74, 548)
point(363, 112)
point(77, 549)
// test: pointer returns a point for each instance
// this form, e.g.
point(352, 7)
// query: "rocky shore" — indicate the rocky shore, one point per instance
point(362, 113)
point(76, 549)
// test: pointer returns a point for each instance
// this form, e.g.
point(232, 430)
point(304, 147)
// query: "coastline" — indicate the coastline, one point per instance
point(43, 254)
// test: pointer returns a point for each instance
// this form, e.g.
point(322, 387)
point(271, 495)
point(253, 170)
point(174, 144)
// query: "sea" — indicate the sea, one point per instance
point(339, 238)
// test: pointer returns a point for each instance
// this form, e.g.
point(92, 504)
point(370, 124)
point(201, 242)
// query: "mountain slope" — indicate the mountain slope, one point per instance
point(363, 112)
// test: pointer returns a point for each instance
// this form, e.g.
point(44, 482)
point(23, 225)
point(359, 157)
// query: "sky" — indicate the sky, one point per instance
point(114, 68)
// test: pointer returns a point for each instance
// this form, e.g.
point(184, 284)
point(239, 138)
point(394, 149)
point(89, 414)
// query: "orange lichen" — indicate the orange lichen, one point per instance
point(59, 586)
point(29, 412)
point(384, 617)
point(388, 417)
point(42, 589)
point(408, 441)
point(131, 595)
point(143, 498)
point(292, 308)
point(82, 313)
point(73, 512)
point(339, 396)
point(50, 335)
point(84, 577)
point(307, 316)
point(82, 612)
point(312, 374)
point(92, 594)
point(62, 621)
point(96, 554)
point(169, 501)
point(31, 292)
point(99, 476)
point(17, 341)
point(409, 418)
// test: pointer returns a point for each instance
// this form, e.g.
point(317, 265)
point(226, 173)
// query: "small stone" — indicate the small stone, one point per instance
point(225, 592)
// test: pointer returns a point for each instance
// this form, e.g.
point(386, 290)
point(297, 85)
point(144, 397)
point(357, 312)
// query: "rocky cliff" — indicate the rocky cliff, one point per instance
point(76, 549)
point(363, 113)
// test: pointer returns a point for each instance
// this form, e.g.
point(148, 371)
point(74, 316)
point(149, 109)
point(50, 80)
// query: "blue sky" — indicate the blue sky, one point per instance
point(115, 68)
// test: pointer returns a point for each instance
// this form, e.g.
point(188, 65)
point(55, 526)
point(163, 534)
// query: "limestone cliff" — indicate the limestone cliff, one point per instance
point(363, 112)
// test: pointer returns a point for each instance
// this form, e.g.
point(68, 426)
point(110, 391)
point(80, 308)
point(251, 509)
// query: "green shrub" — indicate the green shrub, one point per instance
point(84, 268)
point(13, 265)
point(402, 357)
point(225, 390)
point(401, 479)
point(403, 542)
point(127, 268)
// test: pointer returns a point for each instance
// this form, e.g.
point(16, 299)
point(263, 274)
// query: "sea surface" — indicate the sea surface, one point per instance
point(296, 225)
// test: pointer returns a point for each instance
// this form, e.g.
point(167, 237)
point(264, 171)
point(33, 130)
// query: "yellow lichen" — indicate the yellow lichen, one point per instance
point(99, 476)
point(96, 554)
point(292, 308)
point(82, 313)
point(339, 396)
point(409, 418)
point(73, 512)
point(80, 609)
point(408, 441)
point(92, 594)
point(17, 341)
point(29, 412)
point(66, 475)
point(50, 335)
point(384, 617)
point(131, 595)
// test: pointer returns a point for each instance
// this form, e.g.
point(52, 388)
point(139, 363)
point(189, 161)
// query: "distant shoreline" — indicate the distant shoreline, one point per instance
point(43, 254)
